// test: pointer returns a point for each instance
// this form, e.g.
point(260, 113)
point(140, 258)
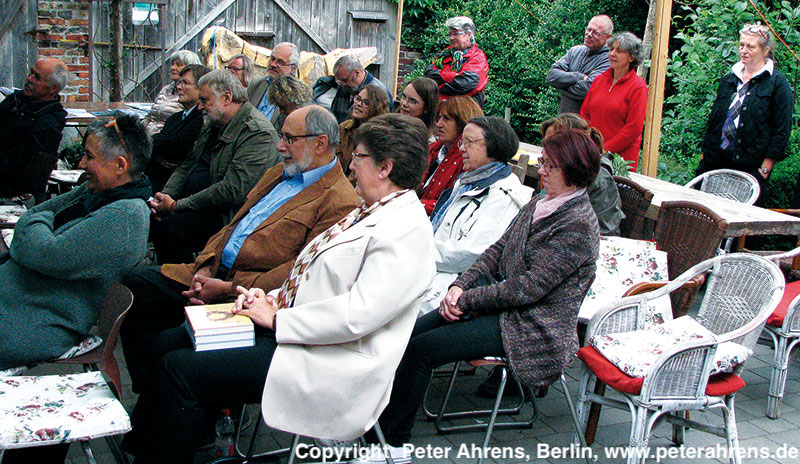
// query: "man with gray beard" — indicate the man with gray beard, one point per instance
point(292, 203)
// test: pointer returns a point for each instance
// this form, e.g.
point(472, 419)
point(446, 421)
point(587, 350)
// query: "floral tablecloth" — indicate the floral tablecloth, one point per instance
point(52, 409)
point(623, 263)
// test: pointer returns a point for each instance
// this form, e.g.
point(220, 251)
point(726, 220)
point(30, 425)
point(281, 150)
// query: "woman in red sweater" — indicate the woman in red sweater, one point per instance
point(617, 100)
point(444, 157)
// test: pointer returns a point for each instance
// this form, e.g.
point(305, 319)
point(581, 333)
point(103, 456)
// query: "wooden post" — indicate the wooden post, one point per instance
point(655, 99)
point(115, 39)
point(398, 31)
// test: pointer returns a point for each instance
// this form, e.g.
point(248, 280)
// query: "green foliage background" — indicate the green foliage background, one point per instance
point(519, 45)
point(708, 46)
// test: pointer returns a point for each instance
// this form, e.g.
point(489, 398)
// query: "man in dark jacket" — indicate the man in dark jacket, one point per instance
point(31, 121)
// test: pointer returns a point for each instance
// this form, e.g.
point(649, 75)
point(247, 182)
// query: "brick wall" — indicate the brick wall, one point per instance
point(407, 59)
point(64, 33)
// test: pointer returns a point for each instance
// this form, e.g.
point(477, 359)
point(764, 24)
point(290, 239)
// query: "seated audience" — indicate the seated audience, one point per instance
point(166, 103)
point(175, 141)
point(287, 93)
point(419, 100)
point(476, 211)
point(351, 77)
point(68, 251)
point(31, 121)
point(236, 145)
point(520, 299)
point(617, 100)
point(444, 156)
point(603, 193)
point(283, 61)
point(370, 102)
point(292, 203)
point(243, 68)
point(461, 69)
point(327, 344)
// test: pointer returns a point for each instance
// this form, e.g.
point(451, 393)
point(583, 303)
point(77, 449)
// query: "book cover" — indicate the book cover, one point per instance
point(216, 319)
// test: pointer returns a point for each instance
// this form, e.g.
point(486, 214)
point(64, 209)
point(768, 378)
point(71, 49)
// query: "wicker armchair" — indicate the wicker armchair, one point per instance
point(635, 203)
point(728, 183)
point(689, 233)
point(742, 291)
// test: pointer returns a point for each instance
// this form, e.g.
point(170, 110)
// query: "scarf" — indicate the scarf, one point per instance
point(479, 178)
point(139, 188)
point(456, 57)
point(548, 205)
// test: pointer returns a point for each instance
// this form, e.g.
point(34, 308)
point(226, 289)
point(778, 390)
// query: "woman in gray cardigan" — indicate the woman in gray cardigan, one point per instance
point(521, 298)
point(68, 251)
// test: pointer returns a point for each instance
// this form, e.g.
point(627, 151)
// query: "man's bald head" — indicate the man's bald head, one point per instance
point(47, 77)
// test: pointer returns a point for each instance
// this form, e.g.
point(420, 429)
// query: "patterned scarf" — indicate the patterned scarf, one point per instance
point(288, 291)
point(456, 56)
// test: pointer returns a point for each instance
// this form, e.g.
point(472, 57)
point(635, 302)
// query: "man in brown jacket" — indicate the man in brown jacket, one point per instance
point(291, 204)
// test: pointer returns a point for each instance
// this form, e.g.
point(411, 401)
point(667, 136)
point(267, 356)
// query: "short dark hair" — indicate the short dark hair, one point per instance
point(197, 70)
point(500, 139)
point(132, 142)
point(400, 138)
point(576, 154)
point(428, 91)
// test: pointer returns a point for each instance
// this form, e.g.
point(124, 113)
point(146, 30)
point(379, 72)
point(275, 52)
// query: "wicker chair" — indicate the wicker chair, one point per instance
point(689, 233)
point(742, 291)
point(635, 203)
point(728, 183)
point(783, 327)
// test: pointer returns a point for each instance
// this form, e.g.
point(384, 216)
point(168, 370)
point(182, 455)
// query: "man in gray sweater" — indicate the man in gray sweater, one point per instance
point(574, 72)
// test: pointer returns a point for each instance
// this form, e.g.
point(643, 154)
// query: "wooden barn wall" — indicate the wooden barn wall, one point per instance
point(18, 50)
point(329, 20)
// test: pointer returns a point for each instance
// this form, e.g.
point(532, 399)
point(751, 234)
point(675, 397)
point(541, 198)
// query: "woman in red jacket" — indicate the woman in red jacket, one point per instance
point(617, 100)
point(444, 157)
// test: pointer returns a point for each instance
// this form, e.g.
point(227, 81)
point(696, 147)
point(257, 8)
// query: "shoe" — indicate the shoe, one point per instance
point(488, 389)
point(374, 455)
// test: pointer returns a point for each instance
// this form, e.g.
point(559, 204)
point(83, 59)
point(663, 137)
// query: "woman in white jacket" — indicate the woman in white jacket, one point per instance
point(476, 211)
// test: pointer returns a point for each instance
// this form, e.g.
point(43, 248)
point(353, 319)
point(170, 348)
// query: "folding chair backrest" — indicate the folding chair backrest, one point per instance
point(112, 314)
point(635, 203)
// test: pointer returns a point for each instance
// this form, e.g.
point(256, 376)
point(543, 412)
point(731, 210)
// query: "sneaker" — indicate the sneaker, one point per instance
point(400, 455)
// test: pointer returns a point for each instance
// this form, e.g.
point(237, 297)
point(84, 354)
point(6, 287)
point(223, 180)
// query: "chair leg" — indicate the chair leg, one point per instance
point(594, 412)
point(114, 445)
point(440, 416)
point(777, 383)
point(385, 446)
point(678, 431)
point(731, 432)
point(87, 452)
point(639, 437)
point(497, 399)
point(583, 405)
point(571, 406)
point(428, 413)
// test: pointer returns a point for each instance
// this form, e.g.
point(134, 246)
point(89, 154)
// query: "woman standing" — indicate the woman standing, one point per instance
point(461, 69)
point(166, 103)
point(617, 100)
point(419, 100)
point(749, 125)
point(444, 156)
point(370, 102)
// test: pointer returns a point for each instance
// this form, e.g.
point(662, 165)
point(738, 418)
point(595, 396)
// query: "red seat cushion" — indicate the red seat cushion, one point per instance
point(719, 384)
point(776, 318)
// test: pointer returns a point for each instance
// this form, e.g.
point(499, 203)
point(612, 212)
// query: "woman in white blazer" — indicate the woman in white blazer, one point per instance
point(475, 212)
point(334, 333)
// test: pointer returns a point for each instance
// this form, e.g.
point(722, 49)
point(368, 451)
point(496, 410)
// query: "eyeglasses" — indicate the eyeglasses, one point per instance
point(358, 99)
point(467, 142)
point(454, 33)
point(113, 123)
point(280, 62)
point(234, 68)
point(290, 139)
point(755, 29)
point(343, 82)
point(547, 165)
point(594, 32)
point(358, 156)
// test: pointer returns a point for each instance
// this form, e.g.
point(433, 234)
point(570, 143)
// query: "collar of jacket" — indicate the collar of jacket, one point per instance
point(237, 124)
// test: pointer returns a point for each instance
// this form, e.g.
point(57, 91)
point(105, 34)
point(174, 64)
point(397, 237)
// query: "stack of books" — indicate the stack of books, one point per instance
point(215, 327)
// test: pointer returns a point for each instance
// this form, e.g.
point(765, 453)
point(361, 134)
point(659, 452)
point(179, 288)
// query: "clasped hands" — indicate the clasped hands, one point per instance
point(205, 289)
point(161, 205)
point(448, 308)
point(256, 305)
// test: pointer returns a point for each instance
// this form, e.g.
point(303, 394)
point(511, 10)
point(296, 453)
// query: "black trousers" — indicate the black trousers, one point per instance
point(180, 235)
point(434, 342)
point(168, 418)
point(157, 306)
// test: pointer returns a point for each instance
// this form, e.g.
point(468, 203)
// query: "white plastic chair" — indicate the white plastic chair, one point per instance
point(742, 292)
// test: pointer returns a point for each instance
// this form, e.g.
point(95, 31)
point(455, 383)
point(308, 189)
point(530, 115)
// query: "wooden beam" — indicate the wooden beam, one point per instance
point(399, 31)
point(305, 27)
point(655, 99)
point(180, 43)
